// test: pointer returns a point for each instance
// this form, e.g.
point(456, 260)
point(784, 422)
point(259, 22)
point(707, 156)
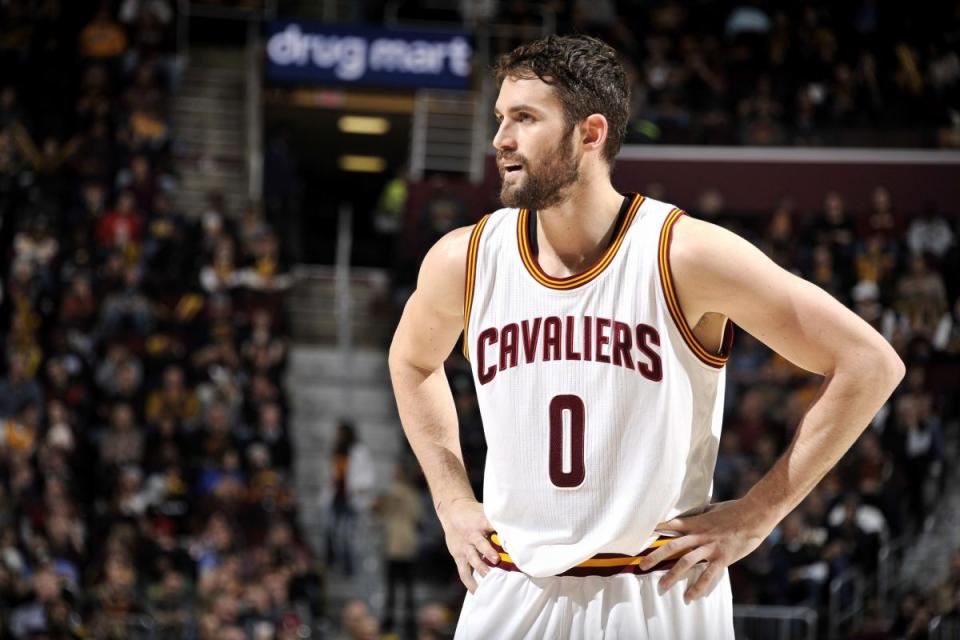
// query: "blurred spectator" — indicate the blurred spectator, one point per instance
point(392, 203)
point(921, 297)
point(141, 182)
point(18, 388)
point(173, 400)
point(170, 603)
point(127, 308)
point(357, 623)
point(882, 219)
point(263, 350)
point(929, 233)
point(272, 433)
point(434, 622)
point(122, 441)
point(349, 495)
point(103, 37)
point(400, 510)
point(833, 227)
point(121, 227)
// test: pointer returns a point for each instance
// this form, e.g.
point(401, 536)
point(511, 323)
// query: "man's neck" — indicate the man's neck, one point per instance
point(576, 232)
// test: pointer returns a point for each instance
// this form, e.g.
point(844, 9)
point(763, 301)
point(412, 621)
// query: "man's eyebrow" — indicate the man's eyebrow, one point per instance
point(523, 107)
point(518, 108)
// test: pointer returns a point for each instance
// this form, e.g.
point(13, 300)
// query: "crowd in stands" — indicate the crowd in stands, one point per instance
point(861, 73)
point(145, 464)
point(760, 72)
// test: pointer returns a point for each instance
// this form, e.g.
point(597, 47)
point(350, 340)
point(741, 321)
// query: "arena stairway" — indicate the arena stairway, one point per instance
point(325, 383)
point(210, 130)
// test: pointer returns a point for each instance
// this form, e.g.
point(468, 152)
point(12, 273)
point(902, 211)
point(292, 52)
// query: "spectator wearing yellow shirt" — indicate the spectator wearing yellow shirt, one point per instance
point(103, 37)
point(174, 399)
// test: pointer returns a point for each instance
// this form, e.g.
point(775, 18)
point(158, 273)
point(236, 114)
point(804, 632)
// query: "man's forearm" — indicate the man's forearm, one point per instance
point(845, 405)
point(429, 419)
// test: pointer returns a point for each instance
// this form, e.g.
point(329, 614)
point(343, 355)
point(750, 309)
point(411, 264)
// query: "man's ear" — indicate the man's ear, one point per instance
point(594, 130)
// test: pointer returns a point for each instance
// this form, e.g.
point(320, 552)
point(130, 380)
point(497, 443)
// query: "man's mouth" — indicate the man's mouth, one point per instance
point(511, 168)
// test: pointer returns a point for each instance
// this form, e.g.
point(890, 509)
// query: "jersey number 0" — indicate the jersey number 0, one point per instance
point(572, 474)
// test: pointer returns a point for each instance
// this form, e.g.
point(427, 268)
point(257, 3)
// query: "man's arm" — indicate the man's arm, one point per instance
point(716, 271)
point(428, 330)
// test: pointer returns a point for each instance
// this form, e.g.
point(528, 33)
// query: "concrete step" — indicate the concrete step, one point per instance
point(192, 206)
point(214, 75)
point(307, 329)
point(319, 364)
point(190, 122)
point(196, 77)
point(198, 145)
point(196, 108)
point(201, 93)
point(216, 134)
point(206, 170)
point(197, 198)
point(217, 59)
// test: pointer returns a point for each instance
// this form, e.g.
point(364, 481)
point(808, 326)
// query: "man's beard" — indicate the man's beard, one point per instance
point(547, 185)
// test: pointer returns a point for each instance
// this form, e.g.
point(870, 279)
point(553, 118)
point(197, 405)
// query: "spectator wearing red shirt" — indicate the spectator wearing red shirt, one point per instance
point(123, 225)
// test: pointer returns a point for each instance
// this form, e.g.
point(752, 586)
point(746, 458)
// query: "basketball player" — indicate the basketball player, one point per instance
point(597, 325)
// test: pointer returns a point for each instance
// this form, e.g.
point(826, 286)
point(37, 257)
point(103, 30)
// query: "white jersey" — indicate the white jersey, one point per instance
point(601, 410)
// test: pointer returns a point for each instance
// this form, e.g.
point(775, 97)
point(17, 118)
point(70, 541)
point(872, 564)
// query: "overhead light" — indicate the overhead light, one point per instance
point(362, 164)
point(364, 125)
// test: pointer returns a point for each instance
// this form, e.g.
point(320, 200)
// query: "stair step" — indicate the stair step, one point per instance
point(210, 121)
point(208, 154)
point(211, 95)
point(213, 134)
point(206, 169)
point(212, 165)
point(199, 109)
point(217, 58)
point(209, 76)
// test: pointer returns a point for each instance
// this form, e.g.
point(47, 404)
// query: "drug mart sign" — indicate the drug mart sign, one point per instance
point(316, 53)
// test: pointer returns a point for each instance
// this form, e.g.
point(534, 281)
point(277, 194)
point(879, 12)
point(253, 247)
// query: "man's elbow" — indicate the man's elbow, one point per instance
point(400, 364)
point(889, 368)
point(395, 359)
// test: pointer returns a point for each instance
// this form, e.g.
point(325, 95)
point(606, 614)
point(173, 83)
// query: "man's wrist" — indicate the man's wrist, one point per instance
point(447, 502)
point(763, 514)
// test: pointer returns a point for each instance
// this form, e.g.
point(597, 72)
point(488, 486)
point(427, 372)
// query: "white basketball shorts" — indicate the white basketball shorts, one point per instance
point(509, 605)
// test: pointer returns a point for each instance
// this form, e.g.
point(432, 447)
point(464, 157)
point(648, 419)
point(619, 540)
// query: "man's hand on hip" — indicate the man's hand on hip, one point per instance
point(720, 536)
point(467, 532)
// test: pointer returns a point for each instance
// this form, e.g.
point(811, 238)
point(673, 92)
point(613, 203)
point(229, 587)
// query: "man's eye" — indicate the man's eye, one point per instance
point(524, 117)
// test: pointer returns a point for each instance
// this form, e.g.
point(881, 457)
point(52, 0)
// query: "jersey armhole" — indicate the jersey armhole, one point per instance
point(716, 361)
point(470, 280)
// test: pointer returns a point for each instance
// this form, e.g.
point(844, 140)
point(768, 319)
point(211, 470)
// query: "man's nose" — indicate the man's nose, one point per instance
point(504, 138)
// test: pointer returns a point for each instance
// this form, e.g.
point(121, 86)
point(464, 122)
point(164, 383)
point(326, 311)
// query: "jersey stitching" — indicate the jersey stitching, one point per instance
point(577, 280)
point(470, 280)
point(673, 305)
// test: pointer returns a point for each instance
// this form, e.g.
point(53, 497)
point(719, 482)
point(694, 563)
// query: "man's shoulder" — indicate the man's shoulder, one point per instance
point(445, 265)
point(455, 244)
point(653, 206)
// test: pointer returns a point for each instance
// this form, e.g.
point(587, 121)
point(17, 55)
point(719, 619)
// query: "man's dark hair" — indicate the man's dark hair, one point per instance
point(586, 74)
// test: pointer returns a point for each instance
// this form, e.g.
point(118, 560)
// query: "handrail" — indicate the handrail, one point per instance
point(785, 618)
point(183, 26)
point(885, 566)
point(837, 614)
point(254, 111)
